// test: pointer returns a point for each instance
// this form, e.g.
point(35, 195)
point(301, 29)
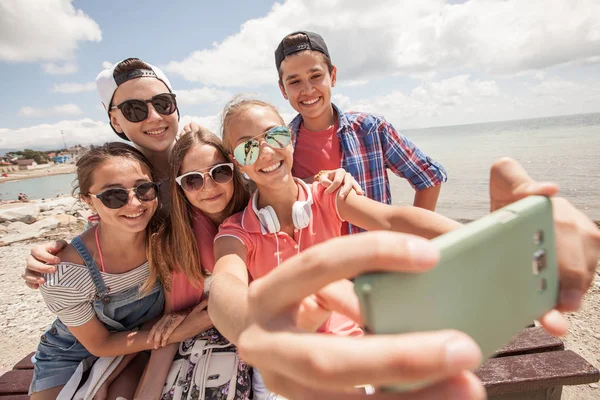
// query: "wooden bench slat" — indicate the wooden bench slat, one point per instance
point(536, 371)
point(14, 397)
point(531, 340)
point(16, 381)
point(25, 363)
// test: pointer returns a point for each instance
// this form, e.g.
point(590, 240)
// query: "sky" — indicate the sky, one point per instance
point(419, 63)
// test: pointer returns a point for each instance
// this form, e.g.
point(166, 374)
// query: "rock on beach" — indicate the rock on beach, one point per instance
point(25, 221)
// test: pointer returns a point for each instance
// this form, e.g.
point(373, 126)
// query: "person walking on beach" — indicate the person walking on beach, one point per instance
point(325, 137)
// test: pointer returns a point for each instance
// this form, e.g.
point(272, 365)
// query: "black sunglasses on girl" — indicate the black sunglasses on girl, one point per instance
point(117, 198)
point(135, 110)
point(194, 180)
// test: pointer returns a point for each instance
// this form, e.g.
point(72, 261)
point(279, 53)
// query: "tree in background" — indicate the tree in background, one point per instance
point(37, 156)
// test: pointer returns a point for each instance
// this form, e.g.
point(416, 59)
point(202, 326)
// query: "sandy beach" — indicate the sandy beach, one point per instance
point(55, 169)
point(24, 316)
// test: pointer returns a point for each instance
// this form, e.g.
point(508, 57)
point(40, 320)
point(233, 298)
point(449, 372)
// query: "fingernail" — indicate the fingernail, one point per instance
point(423, 251)
point(570, 299)
point(462, 353)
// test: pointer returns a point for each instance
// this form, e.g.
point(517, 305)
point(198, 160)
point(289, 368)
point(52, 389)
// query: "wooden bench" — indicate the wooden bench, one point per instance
point(533, 366)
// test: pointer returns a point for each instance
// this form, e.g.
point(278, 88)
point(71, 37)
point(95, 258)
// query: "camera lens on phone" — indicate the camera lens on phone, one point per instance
point(539, 261)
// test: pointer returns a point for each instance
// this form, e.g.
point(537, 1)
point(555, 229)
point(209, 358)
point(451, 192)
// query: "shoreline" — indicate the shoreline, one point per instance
point(57, 169)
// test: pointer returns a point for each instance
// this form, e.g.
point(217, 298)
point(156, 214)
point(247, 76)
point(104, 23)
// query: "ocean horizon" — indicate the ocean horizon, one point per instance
point(562, 149)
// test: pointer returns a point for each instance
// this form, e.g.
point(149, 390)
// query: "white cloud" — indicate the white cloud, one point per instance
point(392, 37)
point(57, 69)
point(210, 122)
point(461, 100)
point(32, 30)
point(203, 95)
point(69, 87)
point(83, 131)
point(555, 86)
point(453, 91)
point(107, 65)
point(65, 109)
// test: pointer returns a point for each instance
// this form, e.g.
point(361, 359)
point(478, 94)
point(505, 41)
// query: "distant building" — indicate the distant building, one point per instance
point(25, 163)
point(51, 155)
point(63, 158)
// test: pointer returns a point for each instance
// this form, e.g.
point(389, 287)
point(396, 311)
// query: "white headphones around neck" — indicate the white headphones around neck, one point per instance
point(301, 212)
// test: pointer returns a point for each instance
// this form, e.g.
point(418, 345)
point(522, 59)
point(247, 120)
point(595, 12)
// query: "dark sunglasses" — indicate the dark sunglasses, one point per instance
point(246, 153)
point(194, 181)
point(135, 110)
point(117, 198)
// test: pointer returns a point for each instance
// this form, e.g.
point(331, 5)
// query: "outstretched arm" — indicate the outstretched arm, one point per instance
point(372, 215)
point(228, 300)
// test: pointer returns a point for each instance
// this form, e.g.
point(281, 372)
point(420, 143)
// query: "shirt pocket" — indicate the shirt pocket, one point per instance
point(57, 339)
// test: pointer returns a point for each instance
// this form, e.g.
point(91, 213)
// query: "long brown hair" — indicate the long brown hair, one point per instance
point(174, 246)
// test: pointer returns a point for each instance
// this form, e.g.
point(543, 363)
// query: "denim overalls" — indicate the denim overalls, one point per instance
point(59, 353)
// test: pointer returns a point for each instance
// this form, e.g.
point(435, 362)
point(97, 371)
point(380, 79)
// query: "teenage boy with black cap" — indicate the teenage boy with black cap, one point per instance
point(326, 138)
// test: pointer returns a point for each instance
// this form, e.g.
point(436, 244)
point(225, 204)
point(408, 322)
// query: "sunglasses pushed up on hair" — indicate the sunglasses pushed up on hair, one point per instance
point(194, 181)
point(135, 110)
point(118, 197)
point(247, 152)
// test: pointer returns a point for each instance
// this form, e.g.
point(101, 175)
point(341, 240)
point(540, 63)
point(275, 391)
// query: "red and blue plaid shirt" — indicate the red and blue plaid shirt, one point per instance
point(369, 146)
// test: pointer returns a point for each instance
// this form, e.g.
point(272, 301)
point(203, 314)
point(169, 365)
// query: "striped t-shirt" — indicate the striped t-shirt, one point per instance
point(69, 292)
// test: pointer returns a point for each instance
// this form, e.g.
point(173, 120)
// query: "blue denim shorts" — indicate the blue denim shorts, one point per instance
point(56, 358)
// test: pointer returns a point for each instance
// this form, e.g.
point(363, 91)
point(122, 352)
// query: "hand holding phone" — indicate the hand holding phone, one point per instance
point(495, 276)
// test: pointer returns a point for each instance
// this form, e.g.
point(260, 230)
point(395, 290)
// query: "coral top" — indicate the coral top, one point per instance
point(265, 251)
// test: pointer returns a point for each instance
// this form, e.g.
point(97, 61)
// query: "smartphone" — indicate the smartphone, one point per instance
point(495, 276)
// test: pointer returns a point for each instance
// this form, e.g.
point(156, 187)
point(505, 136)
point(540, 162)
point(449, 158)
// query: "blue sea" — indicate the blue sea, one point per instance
point(563, 149)
point(37, 188)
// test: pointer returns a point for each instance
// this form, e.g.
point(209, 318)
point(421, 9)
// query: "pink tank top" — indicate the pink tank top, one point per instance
point(183, 293)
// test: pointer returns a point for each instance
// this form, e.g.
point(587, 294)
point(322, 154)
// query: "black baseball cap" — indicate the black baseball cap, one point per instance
point(312, 41)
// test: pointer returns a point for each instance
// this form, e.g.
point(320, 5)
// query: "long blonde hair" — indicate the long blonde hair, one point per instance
point(174, 247)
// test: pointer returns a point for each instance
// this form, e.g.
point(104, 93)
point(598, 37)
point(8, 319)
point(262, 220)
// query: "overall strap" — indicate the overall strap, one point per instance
point(101, 287)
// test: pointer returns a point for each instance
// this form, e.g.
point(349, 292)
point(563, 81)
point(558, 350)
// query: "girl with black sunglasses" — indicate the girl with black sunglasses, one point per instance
point(95, 292)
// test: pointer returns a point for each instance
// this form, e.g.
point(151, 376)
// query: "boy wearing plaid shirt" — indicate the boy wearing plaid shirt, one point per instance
point(326, 138)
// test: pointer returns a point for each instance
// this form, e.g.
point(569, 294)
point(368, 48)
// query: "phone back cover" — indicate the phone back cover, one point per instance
point(484, 284)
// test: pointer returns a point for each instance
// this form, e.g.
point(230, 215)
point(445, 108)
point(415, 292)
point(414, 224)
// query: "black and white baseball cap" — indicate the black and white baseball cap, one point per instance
point(107, 83)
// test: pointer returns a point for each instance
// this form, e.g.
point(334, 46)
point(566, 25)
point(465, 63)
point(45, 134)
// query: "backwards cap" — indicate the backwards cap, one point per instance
point(107, 85)
point(311, 41)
